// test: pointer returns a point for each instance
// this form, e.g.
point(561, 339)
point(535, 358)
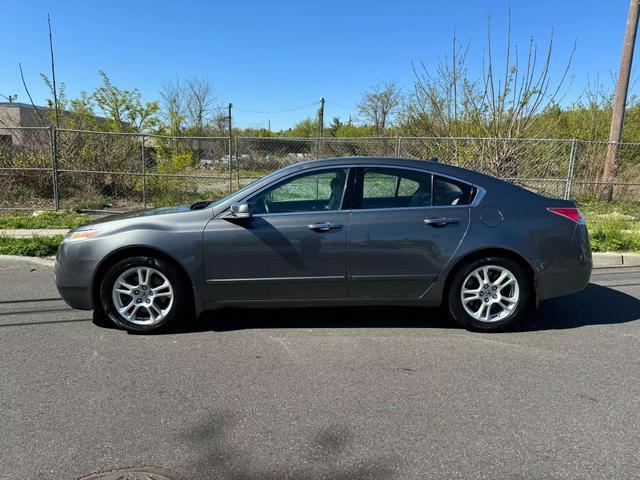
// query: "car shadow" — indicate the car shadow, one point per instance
point(596, 305)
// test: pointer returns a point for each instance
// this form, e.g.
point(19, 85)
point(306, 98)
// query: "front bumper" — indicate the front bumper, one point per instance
point(73, 274)
point(77, 297)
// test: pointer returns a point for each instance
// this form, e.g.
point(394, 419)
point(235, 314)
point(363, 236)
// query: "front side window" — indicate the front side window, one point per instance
point(394, 188)
point(308, 192)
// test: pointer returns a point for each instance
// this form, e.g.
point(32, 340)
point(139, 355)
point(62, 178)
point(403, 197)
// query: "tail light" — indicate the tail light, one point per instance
point(571, 213)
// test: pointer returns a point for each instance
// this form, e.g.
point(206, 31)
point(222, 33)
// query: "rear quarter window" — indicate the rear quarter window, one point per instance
point(447, 192)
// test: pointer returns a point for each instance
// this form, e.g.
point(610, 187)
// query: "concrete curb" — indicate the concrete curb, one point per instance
point(615, 259)
point(600, 259)
point(43, 261)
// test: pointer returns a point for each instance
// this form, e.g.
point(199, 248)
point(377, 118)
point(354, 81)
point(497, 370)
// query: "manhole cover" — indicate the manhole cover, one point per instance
point(146, 473)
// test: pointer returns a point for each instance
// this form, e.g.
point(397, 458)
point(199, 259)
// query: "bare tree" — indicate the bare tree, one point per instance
point(221, 122)
point(191, 107)
point(518, 101)
point(378, 104)
point(201, 102)
point(503, 105)
point(173, 102)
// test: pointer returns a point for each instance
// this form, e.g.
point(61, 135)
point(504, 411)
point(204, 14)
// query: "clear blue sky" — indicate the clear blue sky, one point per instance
point(273, 55)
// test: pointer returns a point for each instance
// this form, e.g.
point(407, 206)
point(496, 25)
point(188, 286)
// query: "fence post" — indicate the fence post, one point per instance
point(230, 150)
point(144, 173)
point(397, 146)
point(572, 161)
point(230, 163)
point(53, 143)
point(237, 164)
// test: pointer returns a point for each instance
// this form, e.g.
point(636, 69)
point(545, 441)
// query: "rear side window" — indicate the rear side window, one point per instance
point(393, 188)
point(450, 192)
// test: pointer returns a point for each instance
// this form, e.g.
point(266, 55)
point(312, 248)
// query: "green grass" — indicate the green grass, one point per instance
point(46, 219)
point(31, 247)
point(614, 226)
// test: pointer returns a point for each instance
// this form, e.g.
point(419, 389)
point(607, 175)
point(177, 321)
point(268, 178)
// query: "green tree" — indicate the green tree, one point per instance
point(334, 126)
point(305, 128)
point(124, 109)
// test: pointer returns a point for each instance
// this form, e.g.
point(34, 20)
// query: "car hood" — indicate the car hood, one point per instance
point(141, 213)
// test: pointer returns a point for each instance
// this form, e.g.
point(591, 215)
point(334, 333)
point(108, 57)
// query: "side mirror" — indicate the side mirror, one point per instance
point(240, 210)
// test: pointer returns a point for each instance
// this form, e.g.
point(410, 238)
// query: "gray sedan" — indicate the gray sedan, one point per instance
point(341, 231)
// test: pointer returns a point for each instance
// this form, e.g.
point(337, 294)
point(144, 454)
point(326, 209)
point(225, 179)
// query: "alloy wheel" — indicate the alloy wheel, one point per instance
point(143, 295)
point(490, 293)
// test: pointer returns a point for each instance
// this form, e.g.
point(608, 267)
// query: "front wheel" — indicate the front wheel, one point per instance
point(143, 294)
point(489, 294)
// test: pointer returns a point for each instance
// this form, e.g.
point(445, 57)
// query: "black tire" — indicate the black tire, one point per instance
point(518, 313)
point(179, 307)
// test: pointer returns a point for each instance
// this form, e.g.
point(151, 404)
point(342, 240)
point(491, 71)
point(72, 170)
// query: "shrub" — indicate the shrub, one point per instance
point(32, 247)
point(46, 219)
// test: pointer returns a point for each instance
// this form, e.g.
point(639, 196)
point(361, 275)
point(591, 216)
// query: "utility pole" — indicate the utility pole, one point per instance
point(53, 75)
point(321, 115)
point(11, 98)
point(619, 103)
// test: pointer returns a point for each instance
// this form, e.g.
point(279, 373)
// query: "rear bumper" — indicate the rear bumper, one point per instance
point(569, 280)
point(568, 273)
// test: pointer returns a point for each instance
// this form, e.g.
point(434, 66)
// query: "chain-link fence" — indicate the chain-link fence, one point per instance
point(256, 156)
point(26, 168)
point(130, 170)
point(43, 168)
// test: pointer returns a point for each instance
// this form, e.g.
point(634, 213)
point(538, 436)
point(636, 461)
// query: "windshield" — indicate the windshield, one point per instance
point(243, 189)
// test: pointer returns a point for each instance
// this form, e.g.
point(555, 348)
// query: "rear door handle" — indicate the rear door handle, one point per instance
point(440, 222)
point(323, 227)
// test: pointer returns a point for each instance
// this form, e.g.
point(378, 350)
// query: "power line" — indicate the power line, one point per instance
point(341, 106)
point(279, 111)
point(10, 98)
point(299, 107)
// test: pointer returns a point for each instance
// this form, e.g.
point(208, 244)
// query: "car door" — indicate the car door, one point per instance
point(404, 226)
point(291, 248)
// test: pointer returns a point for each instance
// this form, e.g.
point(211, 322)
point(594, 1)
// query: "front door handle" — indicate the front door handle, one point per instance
point(440, 222)
point(323, 227)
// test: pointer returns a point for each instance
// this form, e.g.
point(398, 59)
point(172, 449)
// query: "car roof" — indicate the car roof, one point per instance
point(435, 167)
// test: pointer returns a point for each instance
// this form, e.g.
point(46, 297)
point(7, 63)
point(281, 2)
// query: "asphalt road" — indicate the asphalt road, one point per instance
point(322, 394)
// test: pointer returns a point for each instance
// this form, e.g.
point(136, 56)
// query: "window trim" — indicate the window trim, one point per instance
point(349, 193)
point(292, 176)
point(359, 183)
point(477, 198)
point(433, 190)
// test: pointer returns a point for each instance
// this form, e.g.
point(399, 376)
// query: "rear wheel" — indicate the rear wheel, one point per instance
point(489, 294)
point(143, 294)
